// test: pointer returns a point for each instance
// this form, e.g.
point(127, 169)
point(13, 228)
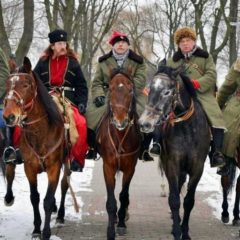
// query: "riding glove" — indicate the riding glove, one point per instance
point(99, 101)
point(81, 108)
point(195, 84)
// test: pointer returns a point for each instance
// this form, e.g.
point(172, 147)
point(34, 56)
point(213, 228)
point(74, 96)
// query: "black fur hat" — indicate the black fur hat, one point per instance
point(58, 35)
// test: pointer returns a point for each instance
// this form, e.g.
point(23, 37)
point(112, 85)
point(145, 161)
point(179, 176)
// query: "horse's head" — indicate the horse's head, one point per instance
point(20, 94)
point(161, 98)
point(121, 93)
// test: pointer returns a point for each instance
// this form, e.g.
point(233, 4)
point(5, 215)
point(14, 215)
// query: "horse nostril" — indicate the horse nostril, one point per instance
point(10, 119)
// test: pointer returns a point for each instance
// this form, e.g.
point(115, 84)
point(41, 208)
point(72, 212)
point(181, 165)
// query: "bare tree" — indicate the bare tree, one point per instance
point(86, 21)
point(17, 40)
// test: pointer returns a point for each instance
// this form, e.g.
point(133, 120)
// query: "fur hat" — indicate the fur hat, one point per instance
point(236, 65)
point(118, 36)
point(58, 35)
point(185, 32)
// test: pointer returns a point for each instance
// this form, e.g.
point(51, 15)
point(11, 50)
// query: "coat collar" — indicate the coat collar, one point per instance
point(132, 55)
point(198, 53)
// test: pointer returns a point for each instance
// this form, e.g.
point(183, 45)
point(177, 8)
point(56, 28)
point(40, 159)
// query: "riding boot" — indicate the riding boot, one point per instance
point(10, 154)
point(216, 157)
point(144, 155)
point(230, 163)
point(156, 147)
point(92, 152)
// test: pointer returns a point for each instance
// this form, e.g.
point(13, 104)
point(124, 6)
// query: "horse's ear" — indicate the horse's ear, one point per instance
point(27, 64)
point(163, 62)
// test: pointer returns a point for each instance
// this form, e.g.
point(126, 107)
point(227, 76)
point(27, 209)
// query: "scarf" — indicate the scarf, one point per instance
point(120, 58)
point(189, 54)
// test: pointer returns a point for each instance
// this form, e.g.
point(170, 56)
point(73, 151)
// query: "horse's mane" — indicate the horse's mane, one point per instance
point(173, 73)
point(50, 106)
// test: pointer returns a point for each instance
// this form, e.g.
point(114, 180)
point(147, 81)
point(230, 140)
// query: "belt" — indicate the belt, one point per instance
point(63, 88)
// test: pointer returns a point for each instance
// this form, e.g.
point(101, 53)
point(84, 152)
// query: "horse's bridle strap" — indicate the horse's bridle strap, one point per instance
point(185, 117)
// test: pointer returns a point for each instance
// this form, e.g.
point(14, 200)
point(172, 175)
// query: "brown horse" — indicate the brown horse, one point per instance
point(42, 143)
point(119, 139)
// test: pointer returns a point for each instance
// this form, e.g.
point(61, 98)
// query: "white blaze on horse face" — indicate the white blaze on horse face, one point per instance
point(13, 81)
point(157, 83)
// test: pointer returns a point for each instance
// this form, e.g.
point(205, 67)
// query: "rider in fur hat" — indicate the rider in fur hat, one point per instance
point(199, 66)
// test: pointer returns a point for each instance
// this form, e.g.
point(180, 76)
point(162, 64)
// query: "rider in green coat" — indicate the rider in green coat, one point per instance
point(119, 57)
point(199, 66)
point(229, 100)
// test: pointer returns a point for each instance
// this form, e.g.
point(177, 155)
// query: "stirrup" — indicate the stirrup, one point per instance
point(92, 154)
point(156, 149)
point(9, 155)
point(146, 157)
point(217, 160)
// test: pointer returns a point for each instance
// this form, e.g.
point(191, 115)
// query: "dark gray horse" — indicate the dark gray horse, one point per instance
point(172, 103)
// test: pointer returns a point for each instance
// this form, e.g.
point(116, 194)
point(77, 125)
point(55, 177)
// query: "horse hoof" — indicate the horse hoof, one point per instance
point(225, 219)
point(236, 222)
point(60, 221)
point(163, 194)
point(36, 236)
point(121, 231)
point(8, 202)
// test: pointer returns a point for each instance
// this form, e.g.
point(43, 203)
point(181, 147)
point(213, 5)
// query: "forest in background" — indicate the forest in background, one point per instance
point(150, 26)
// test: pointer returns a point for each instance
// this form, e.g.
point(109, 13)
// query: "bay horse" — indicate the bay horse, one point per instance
point(118, 143)
point(172, 103)
point(42, 143)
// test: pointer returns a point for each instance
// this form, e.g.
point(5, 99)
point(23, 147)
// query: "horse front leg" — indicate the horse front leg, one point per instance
point(111, 204)
point(64, 188)
point(124, 202)
point(174, 203)
point(35, 199)
point(236, 219)
point(10, 175)
point(225, 188)
point(49, 200)
point(188, 205)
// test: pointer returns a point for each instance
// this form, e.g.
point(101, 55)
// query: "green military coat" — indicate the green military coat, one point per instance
point(101, 78)
point(229, 100)
point(4, 72)
point(200, 66)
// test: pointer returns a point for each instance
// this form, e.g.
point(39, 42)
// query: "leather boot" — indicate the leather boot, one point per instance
point(10, 154)
point(229, 167)
point(144, 155)
point(216, 157)
point(156, 147)
point(92, 153)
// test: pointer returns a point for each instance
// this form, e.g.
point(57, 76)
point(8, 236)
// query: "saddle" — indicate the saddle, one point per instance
point(65, 108)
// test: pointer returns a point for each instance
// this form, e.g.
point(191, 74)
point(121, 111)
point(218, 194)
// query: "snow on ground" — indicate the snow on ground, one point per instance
point(16, 221)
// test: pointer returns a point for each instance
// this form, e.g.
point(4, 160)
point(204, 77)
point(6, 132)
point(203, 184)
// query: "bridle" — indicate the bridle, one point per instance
point(128, 109)
point(171, 117)
point(15, 96)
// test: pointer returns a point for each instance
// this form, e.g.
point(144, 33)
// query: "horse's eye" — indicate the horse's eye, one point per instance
point(167, 92)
